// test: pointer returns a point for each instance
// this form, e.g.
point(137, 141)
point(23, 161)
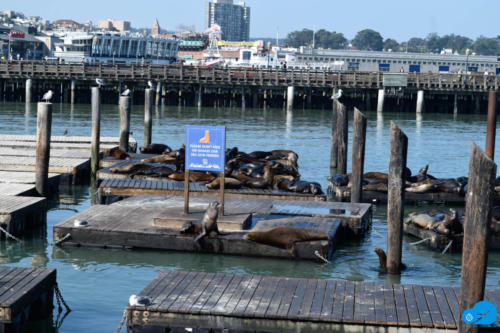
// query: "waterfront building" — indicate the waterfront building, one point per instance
point(234, 19)
point(116, 48)
point(118, 25)
point(17, 43)
point(156, 30)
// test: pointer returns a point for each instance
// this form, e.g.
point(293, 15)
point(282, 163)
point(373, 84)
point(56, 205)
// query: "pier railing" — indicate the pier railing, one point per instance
point(228, 76)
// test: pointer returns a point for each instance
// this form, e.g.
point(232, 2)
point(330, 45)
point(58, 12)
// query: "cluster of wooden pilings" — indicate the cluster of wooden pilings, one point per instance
point(405, 100)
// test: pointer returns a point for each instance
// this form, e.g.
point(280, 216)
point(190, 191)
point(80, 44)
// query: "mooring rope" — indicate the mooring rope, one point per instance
point(9, 234)
point(316, 253)
point(420, 241)
point(60, 299)
point(447, 247)
point(68, 235)
point(122, 321)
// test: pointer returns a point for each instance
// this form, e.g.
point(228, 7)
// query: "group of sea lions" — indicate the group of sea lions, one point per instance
point(276, 169)
point(445, 223)
point(282, 237)
point(419, 183)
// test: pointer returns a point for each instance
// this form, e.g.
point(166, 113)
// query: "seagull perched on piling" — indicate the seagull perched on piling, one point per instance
point(47, 96)
point(135, 300)
point(337, 95)
point(126, 92)
point(150, 85)
point(100, 82)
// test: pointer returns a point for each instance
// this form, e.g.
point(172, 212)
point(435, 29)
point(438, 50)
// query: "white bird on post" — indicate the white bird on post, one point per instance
point(150, 85)
point(337, 95)
point(47, 96)
point(126, 92)
point(99, 82)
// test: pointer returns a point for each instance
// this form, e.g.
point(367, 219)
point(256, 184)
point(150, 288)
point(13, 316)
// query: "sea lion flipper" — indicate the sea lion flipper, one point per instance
point(290, 247)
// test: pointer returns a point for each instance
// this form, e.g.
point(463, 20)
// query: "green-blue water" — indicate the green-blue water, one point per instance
point(97, 283)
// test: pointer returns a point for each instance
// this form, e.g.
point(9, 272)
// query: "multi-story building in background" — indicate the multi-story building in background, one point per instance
point(118, 25)
point(234, 19)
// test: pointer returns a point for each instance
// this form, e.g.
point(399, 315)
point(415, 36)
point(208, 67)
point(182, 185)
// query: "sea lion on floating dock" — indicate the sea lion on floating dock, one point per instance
point(117, 153)
point(286, 237)
point(262, 183)
point(127, 168)
point(229, 183)
point(152, 171)
point(377, 187)
point(306, 187)
point(155, 148)
point(208, 223)
point(191, 227)
point(160, 159)
point(339, 180)
point(421, 186)
point(376, 175)
point(422, 220)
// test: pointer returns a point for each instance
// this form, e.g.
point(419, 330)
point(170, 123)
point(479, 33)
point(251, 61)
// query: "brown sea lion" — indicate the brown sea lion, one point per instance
point(160, 159)
point(241, 176)
point(448, 186)
point(285, 237)
point(376, 175)
point(110, 151)
point(378, 187)
point(191, 227)
point(422, 220)
point(178, 176)
point(208, 223)
point(278, 178)
point(155, 148)
point(440, 227)
point(126, 168)
point(424, 186)
point(382, 259)
point(283, 184)
point(152, 171)
point(229, 183)
point(306, 187)
point(119, 154)
point(200, 176)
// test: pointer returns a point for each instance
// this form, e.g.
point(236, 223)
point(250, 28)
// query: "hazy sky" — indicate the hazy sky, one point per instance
point(398, 19)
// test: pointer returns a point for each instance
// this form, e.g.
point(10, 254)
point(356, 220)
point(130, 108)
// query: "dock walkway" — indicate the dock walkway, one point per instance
point(260, 303)
point(25, 294)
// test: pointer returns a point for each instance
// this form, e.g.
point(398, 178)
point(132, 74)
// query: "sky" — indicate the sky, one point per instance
point(398, 19)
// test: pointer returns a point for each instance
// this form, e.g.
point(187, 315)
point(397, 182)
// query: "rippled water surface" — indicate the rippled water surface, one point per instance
point(97, 283)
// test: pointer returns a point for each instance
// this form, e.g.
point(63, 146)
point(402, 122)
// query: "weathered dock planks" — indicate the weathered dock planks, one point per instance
point(121, 185)
point(18, 214)
point(17, 189)
point(71, 166)
point(25, 294)
point(13, 177)
point(12, 151)
point(261, 303)
point(130, 223)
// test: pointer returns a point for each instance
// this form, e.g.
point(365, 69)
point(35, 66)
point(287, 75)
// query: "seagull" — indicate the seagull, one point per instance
point(337, 95)
point(150, 85)
point(126, 92)
point(65, 132)
point(80, 223)
point(135, 300)
point(47, 96)
point(100, 82)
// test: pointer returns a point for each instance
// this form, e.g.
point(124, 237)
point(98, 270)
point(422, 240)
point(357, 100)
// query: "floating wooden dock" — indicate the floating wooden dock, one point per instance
point(126, 187)
point(269, 304)
point(141, 222)
point(109, 161)
point(18, 214)
point(25, 294)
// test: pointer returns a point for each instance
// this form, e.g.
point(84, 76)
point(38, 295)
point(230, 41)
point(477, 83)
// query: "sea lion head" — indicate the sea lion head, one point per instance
point(188, 228)
point(315, 188)
point(423, 171)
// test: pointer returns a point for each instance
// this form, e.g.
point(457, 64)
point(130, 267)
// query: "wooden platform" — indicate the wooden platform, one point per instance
point(270, 304)
point(435, 240)
point(130, 187)
point(130, 223)
point(18, 214)
point(71, 166)
point(13, 177)
point(25, 294)
point(17, 189)
point(12, 151)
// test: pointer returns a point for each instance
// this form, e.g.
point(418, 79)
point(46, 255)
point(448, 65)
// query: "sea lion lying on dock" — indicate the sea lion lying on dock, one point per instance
point(229, 183)
point(166, 159)
point(306, 187)
point(145, 169)
point(117, 153)
point(191, 227)
point(155, 148)
point(286, 237)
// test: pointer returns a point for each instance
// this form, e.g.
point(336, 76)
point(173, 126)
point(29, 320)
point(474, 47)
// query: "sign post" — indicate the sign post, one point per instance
point(205, 151)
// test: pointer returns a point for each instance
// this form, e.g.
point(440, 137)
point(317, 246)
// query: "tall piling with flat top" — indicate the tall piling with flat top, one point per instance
point(96, 131)
point(420, 101)
point(73, 88)
point(148, 115)
point(380, 100)
point(290, 94)
point(342, 132)
point(492, 124)
point(395, 198)
point(124, 106)
point(334, 147)
point(455, 103)
point(243, 100)
point(358, 156)
point(158, 93)
point(479, 199)
point(43, 132)
point(29, 84)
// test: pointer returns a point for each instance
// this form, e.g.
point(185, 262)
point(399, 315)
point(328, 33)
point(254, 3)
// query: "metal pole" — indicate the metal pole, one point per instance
point(492, 124)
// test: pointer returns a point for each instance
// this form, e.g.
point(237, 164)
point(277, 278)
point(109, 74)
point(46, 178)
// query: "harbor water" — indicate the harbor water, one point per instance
point(96, 283)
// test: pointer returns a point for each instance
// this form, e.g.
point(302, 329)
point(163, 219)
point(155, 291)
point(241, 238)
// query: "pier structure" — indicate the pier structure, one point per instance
point(224, 87)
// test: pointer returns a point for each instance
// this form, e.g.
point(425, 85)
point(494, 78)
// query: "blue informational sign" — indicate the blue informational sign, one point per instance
point(205, 148)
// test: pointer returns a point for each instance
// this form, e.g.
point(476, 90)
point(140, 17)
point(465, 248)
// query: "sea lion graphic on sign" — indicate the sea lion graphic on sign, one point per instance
point(206, 138)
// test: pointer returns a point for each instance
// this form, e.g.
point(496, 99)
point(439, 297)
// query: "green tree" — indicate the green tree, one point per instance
point(391, 44)
point(414, 44)
point(434, 43)
point(368, 39)
point(298, 38)
point(486, 46)
point(330, 40)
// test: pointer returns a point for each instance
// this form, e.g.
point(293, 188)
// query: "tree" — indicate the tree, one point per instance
point(486, 46)
point(300, 38)
point(414, 44)
point(330, 40)
point(391, 44)
point(368, 39)
point(434, 43)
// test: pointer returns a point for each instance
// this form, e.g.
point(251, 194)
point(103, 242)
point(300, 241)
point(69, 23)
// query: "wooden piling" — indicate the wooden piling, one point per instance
point(148, 115)
point(124, 122)
point(479, 198)
point(358, 156)
point(492, 124)
point(158, 93)
point(43, 132)
point(333, 146)
point(395, 198)
point(29, 84)
point(96, 131)
point(342, 133)
point(73, 87)
point(380, 100)
point(221, 193)
point(186, 191)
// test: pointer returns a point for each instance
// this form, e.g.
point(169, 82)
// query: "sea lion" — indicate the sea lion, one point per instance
point(208, 223)
point(166, 159)
point(200, 176)
point(262, 183)
point(258, 155)
point(424, 186)
point(180, 157)
point(152, 171)
point(448, 186)
point(339, 180)
point(278, 178)
point(231, 153)
point(283, 184)
point(178, 176)
point(191, 227)
point(377, 187)
point(285, 237)
point(306, 187)
point(110, 151)
point(241, 176)
point(155, 148)
point(126, 168)
point(229, 183)
point(382, 259)
point(376, 175)
point(422, 220)
point(119, 154)
point(440, 227)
